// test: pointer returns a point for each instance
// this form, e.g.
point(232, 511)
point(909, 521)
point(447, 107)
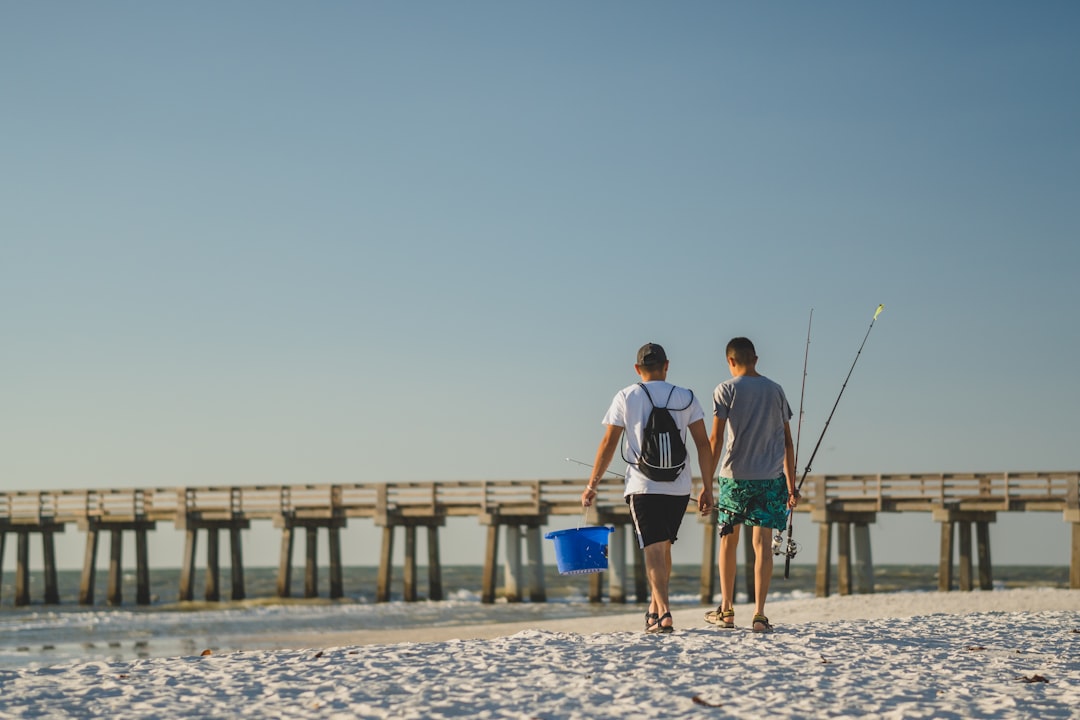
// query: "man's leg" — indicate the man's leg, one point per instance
point(658, 570)
point(653, 599)
point(763, 566)
point(667, 622)
point(728, 564)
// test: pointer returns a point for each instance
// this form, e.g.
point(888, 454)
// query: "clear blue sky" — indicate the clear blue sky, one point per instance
point(268, 242)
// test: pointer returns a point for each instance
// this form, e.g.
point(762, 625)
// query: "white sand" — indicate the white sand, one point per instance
point(1002, 654)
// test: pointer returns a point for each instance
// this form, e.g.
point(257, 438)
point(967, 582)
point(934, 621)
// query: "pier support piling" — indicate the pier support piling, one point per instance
point(409, 566)
point(512, 567)
point(616, 575)
point(311, 565)
point(843, 557)
point(22, 568)
point(513, 527)
point(945, 557)
point(1072, 516)
point(212, 578)
point(1074, 558)
point(823, 576)
point(957, 524)
point(386, 559)
point(287, 525)
point(966, 565)
point(187, 565)
point(641, 582)
point(23, 531)
point(236, 555)
point(115, 594)
point(534, 550)
point(596, 586)
point(284, 576)
point(487, 583)
point(982, 549)
point(709, 558)
point(213, 566)
point(864, 561)
point(337, 586)
point(848, 523)
point(435, 583)
point(389, 521)
point(114, 589)
point(86, 583)
point(617, 565)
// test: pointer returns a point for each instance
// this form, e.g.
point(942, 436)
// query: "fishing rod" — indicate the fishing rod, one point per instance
point(729, 511)
point(736, 515)
point(778, 540)
point(704, 512)
point(585, 464)
point(789, 554)
point(802, 390)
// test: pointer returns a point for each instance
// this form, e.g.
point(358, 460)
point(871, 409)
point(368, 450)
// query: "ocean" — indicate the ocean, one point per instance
point(40, 635)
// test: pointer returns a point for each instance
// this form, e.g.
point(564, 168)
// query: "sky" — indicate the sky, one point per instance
point(335, 242)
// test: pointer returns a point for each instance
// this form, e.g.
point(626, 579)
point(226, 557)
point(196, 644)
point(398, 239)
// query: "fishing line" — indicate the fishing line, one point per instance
point(585, 464)
point(706, 511)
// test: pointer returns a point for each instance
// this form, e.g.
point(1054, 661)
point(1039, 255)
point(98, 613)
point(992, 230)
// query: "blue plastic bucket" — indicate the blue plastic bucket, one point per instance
point(581, 550)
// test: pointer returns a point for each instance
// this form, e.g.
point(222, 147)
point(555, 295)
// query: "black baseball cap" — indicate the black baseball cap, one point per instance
point(651, 354)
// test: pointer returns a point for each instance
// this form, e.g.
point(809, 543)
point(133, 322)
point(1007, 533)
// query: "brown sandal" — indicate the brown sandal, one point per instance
point(721, 618)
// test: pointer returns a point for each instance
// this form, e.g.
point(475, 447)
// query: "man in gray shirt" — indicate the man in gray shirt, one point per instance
point(751, 419)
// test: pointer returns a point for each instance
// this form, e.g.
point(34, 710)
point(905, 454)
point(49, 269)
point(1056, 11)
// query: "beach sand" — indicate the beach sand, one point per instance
point(1000, 654)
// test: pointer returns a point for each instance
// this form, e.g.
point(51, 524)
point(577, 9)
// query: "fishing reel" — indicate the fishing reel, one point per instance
point(788, 549)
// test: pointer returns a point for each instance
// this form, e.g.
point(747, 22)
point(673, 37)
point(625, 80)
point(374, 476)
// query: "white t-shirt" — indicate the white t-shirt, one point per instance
point(630, 410)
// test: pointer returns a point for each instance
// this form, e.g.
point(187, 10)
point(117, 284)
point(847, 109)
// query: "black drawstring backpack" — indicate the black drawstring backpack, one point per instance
point(663, 452)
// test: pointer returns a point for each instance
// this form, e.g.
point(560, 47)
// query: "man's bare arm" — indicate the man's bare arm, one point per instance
point(604, 454)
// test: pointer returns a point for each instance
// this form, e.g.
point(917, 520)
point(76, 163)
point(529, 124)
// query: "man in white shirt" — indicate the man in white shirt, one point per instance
point(656, 506)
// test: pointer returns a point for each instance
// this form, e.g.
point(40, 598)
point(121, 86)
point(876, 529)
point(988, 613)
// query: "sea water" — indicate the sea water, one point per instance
point(39, 635)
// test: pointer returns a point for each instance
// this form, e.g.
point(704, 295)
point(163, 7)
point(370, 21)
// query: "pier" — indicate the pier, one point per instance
point(843, 506)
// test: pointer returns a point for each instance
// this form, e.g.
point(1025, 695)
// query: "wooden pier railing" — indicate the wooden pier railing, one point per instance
point(956, 500)
point(928, 492)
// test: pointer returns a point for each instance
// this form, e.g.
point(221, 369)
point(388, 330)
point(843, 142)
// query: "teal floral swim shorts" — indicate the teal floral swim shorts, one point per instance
point(761, 503)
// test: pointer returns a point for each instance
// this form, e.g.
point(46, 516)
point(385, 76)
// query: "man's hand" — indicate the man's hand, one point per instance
point(705, 501)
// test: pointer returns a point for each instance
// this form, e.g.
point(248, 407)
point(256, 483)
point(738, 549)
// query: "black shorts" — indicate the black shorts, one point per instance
point(657, 517)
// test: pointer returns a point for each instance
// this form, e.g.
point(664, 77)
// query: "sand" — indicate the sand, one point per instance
point(1000, 654)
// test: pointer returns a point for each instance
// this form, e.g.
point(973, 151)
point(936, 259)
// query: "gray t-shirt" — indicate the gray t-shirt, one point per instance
point(755, 410)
